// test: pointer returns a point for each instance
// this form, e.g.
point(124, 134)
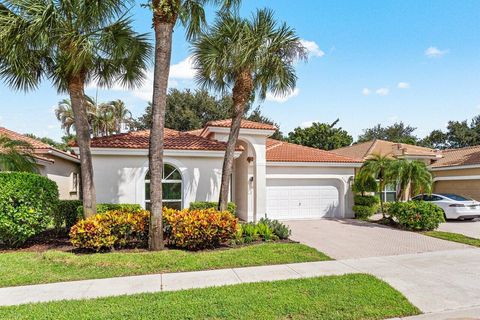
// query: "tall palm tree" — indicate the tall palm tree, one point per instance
point(166, 14)
point(247, 57)
point(121, 115)
point(71, 43)
point(411, 176)
point(16, 155)
point(64, 114)
point(377, 166)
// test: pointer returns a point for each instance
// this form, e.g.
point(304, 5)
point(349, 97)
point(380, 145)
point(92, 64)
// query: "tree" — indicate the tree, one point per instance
point(191, 14)
point(103, 120)
point(257, 116)
point(16, 155)
point(377, 166)
point(247, 57)
point(321, 136)
point(58, 145)
point(188, 110)
point(397, 132)
point(411, 178)
point(71, 43)
point(437, 139)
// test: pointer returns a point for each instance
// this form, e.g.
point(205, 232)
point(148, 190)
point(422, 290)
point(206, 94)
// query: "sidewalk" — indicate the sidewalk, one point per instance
point(433, 281)
point(464, 314)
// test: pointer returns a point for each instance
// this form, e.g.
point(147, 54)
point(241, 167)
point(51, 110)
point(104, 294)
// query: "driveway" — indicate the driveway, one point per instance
point(348, 238)
point(467, 228)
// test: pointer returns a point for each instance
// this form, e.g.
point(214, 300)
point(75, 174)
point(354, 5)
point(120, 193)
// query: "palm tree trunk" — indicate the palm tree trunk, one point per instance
point(382, 189)
point(163, 49)
point(241, 95)
point(82, 129)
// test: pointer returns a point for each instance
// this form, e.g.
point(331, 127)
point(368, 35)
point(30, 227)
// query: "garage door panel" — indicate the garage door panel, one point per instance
point(289, 199)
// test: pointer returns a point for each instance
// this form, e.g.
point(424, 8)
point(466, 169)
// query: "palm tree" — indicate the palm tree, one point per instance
point(377, 166)
point(64, 114)
point(16, 155)
point(166, 13)
point(71, 43)
point(411, 176)
point(121, 115)
point(247, 57)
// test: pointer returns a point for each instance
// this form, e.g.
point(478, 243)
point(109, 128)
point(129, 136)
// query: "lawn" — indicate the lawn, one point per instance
point(354, 296)
point(22, 268)
point(456, 237)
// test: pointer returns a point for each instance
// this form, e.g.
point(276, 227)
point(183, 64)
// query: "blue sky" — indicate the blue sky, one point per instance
point(376, 61)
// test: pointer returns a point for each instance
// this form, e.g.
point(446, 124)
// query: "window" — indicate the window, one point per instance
point(74, 187)
point(171, 185)
point(389, 193)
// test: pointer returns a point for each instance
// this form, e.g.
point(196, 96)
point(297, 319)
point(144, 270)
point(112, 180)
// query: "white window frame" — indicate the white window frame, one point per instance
point(166, 181)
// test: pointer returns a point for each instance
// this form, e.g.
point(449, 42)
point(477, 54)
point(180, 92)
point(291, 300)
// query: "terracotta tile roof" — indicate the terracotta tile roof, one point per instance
point(246, 124)
point(279, 151)
point(174, 140)
point(39, 147)
point(196, 132)
point(459, 157)
point(394, 149)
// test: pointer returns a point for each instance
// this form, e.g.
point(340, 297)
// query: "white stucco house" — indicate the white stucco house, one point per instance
point(271, 178)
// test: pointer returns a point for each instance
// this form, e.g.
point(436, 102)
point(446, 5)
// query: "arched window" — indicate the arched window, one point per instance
point(171, 185)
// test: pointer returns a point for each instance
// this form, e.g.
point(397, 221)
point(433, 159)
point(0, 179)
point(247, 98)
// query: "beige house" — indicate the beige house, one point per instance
point(454, 170)
point(59, 166)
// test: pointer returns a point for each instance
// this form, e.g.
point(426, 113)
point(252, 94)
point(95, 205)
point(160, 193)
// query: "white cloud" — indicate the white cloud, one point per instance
point(308, 124)
point(282, 99)
point(403, 85)
point(312, 48)
point(434, 52)
point(183, 70)
point(382, 91)
point(366, 91)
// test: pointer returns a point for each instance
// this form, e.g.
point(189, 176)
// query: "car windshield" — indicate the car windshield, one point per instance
point(455, 197)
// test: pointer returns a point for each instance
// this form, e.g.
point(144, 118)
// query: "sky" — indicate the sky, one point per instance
point(370, 62)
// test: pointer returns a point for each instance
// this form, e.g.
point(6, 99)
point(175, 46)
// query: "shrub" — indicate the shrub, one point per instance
point(364, 212)
point(201, 205)
point(369, 201)
point(66, 214)
point(27, 204)
point(104, 207)
point(386, 208)
point(265, 232)
point(249, 232)
point(199, 229)
point(417, 215)
point(279, 229)
point(112, 229)
point(363, 184)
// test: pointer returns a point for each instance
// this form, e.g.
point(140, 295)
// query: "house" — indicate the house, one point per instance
point(57, 165)
point(271, 178)
point(458, 172)
point(454, 170)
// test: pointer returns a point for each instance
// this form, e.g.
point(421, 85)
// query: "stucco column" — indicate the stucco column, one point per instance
point(260, 183)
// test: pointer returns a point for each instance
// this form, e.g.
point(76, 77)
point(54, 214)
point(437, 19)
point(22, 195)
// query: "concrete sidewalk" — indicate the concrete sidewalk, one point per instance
point(463, 314)
point(433, 281)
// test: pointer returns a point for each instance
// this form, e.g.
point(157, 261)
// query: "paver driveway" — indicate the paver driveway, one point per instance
point(348, 238)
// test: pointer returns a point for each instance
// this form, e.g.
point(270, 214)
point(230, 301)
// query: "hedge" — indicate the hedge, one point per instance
point(66, 214)
point(200, 205)
point(369, 201)
point(417, 215)
point(27, 205)
point(365, 206)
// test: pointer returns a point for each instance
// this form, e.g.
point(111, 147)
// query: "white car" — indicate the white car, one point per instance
point(453, 205)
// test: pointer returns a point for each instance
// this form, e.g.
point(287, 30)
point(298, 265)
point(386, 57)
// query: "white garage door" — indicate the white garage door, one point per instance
point(306, 199)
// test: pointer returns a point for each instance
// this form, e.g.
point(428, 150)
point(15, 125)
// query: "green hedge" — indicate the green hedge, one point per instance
point(364, 212)
point(201, 205)
point(104, 207)
point(66, 214)
point(27, 204)
point(417, 215)
point(369, 201)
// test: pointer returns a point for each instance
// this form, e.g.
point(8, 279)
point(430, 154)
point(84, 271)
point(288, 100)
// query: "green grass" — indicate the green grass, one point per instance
point(22, 268)
point(456, 237)
point(354, 296)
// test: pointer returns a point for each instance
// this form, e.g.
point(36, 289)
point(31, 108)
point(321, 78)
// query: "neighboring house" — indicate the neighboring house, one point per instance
point(361, 151)
point(271, 178)
point(59, 166)
point(458, 172)
point(454, 170)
